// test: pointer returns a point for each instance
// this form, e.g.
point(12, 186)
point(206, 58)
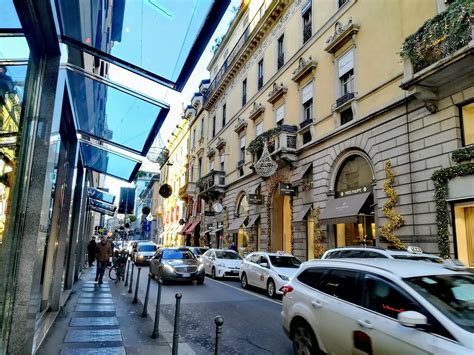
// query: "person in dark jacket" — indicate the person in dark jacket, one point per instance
point(91, 251)
point(103, 253)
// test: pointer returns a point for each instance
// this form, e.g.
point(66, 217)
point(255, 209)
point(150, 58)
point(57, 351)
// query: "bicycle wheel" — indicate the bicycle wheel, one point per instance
point(113, 273)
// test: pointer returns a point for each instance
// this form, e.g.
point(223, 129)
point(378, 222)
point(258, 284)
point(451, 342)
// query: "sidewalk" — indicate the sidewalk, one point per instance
point(101, 319)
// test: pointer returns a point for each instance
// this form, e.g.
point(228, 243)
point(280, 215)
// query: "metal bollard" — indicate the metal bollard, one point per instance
point(176, 324)
point(219, 321)
point(145, 303)
point(127, 272)
point(135, 298)
point(131, 278)
point(156, 326)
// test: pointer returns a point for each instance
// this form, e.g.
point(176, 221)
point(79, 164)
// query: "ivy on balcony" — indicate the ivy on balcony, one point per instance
point(463, 154)
point(258, 143)
point(440, 36)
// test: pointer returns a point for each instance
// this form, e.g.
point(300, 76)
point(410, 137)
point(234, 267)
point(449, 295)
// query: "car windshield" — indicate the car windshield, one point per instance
point(227, 255)
point(453, 295)
point(419, 257)
point(146, 247)
point(177, 254)
point(285, 261)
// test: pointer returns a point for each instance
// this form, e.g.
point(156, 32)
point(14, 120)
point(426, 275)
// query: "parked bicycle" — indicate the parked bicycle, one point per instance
point(117, 271)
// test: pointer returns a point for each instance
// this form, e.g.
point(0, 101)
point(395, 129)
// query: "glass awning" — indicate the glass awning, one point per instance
point(159, 39)
point(101, 195)
point(101, 160)
point(108, 114)
point(103, 205)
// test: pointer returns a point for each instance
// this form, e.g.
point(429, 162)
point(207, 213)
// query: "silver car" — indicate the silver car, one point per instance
point(176, 264)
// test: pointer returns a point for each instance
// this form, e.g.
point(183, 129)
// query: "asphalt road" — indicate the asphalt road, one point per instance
point(252, 323)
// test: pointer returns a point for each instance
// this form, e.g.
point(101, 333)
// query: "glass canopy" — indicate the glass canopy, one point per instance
point(160, 39)
point(108, 163)
point(101, 210)
point(111, 115)
point(103, 205)
point(97, 194)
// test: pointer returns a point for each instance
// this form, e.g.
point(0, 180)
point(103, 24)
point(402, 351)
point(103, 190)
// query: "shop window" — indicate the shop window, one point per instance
point(346, 116)
point(467, 120)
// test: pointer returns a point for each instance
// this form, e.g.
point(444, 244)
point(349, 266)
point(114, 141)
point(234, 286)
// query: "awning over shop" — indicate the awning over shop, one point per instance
point(302, 214)
point(300, 172)
point(96, 158)
point(252, 220)
point(193, 226)
point(101, 195)
point(183, 229)
point(343, 210)
point(236, 224)
point(177, 32)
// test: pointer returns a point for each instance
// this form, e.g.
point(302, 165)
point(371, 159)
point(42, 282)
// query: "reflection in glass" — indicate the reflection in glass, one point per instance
point(109, 114)
point(14, 48)
point(8, 15)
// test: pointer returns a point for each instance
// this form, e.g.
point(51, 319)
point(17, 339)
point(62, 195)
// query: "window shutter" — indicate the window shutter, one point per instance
point(259, 129)
point(307, 92)
point(280, 113)
point(346, 63)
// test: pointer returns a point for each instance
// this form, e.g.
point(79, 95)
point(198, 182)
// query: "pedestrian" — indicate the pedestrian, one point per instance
point(103, 254)
point(91, 251)
point(112, 245)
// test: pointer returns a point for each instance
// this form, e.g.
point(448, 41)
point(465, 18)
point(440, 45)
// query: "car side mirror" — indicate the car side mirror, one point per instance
point(412, 319)
point(264, 265)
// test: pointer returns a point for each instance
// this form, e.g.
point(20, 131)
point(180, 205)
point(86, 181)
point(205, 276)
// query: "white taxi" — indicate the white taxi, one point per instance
point(221, 262)
point(379, 306)
point(269, 271)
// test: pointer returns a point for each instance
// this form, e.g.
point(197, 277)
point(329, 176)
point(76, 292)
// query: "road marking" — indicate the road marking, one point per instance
point(245, 291)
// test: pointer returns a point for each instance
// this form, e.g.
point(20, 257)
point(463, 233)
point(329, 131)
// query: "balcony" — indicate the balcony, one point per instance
point(343, 101)
point(306, 122)
point(440, 52)
point(211, 185)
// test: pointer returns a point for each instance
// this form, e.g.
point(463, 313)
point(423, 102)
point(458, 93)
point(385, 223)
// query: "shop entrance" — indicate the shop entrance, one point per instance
point(281, 224)
point(464, 227)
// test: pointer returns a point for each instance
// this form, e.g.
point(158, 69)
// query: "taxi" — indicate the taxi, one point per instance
point(269, 271)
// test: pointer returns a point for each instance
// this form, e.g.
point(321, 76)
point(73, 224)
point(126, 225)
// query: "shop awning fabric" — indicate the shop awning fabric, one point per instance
point(302, 214)
point(343, 210)
point(236, 224)
point(300, 173)
point(193, 226)
point(184, 228)
point(252, 220)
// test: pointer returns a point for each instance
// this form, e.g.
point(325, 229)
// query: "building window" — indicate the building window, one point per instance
point(222, 162)
point(346, 116)
point(191, 173)
point(280, 114)
point(307, 101)
point(341, 3)
point(242, 150)
point(346, 74)
point(224, 109)
point(307, 26)
point(202, 129)
point(211, 161)
point(260, 74)
point(308, 177)
point(281, 53)
point(467, 117)
point(307, 137)
point(258, 129)
point(213, 126)
point(199, 167)
point(347, 81)
point(194, 137)
point(244, 92)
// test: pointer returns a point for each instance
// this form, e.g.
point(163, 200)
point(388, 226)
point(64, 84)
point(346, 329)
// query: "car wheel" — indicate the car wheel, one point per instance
point(243, 281)
point(304, 341)
point(271, 292)
point(213, 273)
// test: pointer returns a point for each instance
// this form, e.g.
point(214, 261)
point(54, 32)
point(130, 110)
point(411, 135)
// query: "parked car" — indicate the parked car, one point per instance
point(143, 253)
point(176, 264)
point(221, 262)
point(269, 271)
point(411, 253)
point(198, 251)
point(375, 306)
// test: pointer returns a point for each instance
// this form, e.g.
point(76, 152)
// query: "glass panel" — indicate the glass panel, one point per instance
point(109, 114)
point(103, 205)
point(8, 15)
point(132, 30)
point(101, 195)
point(355, 173)
point(108, 163)
point(14, 48)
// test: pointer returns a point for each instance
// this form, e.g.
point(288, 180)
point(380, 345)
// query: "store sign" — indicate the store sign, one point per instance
point(286, 189)
point(359, 190)
point(255, 199)
point(209, 213)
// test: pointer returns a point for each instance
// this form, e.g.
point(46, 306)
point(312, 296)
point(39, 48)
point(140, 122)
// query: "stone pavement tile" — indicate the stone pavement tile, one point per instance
point(88, 300)
point(92, 335)
point(94, 295)
point(95, 290)
point(94, 308)
point(93, 321)
point(95, 351)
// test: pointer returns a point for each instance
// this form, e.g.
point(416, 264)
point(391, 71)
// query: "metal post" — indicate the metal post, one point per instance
point(219, 321)
point(135, 298)
point(145, 303)
point(156, 330)
point(176, 324)
point(128, 270)
point(131, 278)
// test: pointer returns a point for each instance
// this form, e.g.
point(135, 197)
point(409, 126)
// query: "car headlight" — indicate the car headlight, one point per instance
point(283, 277)
point(168, 267)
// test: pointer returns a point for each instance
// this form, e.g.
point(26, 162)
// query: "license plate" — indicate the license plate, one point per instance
point(186, 275)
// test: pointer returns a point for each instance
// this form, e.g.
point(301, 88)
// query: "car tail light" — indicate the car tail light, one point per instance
point(286, 289)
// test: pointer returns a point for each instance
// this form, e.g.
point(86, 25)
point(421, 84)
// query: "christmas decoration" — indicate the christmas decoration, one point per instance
point(463, 154)
point(318, 249)
point(265, 166)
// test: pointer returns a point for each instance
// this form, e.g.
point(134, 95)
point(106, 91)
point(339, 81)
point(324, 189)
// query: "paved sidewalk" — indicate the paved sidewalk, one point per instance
point(101, 319)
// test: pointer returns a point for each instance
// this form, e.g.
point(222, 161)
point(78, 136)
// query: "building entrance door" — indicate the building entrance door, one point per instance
point(464, 224)
point(281, 224)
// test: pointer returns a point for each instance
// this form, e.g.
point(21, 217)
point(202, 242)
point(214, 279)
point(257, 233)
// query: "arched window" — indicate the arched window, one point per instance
point(243, 206)
point(354, 173)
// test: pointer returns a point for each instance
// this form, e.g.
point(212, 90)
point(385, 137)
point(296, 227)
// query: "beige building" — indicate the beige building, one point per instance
point(323, 85)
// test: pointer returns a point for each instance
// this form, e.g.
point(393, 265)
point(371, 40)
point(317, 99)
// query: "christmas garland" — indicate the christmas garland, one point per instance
point(258, 143)
point(463, 154)
point(318, 249)
point(395, 220)
point(441, 178)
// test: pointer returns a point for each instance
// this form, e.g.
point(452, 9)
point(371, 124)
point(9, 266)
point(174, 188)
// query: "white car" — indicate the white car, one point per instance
point(269, 271)
point(221, 262)
point(411, 253)
point(378, 306)
point(144, 252)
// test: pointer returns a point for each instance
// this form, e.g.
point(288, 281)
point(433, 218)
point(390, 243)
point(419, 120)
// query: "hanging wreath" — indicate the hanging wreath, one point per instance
point(395, 219)
point(318, 249)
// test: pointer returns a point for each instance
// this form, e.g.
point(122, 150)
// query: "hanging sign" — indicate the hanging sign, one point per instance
point(255, 199)
point(209, 213)
point(286, 189)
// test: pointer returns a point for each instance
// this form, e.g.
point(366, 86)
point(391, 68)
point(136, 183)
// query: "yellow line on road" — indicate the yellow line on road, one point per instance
point(245, 291)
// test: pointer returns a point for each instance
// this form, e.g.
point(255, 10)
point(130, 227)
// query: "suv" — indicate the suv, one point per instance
point(411, 253)
point(376, 306)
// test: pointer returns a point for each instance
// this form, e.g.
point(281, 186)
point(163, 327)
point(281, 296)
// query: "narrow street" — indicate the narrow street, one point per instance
point(252, 322)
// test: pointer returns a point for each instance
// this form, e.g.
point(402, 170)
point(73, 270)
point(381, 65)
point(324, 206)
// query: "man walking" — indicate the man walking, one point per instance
point(91, 251)
point(103, 253)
